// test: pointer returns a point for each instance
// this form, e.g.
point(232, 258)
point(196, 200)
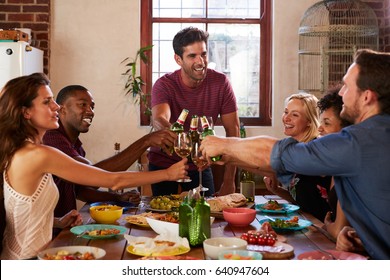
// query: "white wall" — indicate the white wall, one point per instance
point(90, 38)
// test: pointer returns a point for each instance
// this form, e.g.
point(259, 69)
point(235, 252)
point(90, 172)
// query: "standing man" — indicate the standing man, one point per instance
point(202, 91)
point(75, 116)
point(358, 157)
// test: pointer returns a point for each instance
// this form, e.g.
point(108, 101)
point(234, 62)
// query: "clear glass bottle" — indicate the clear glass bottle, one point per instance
point(207, 130)
point(247, 183)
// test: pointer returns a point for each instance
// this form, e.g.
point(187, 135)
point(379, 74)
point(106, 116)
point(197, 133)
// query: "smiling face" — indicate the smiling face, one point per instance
point(193, 64)
point(76, 113)
point(330, 122)
point(295, 120)
point(43, 114)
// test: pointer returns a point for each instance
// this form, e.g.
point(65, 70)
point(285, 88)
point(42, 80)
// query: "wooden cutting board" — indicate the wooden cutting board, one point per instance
point(286, 252)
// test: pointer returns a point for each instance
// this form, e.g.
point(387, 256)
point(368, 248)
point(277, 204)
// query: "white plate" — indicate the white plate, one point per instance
point(97, 252)
point(161, 226)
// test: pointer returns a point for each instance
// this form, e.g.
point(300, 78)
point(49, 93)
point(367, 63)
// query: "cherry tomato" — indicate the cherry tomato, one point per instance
point(69, 258)
point(252, 239)
point(244, 236)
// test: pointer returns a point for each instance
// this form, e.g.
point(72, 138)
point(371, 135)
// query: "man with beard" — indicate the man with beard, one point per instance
point(358, 157)
point(75, 116)
point(204, 92)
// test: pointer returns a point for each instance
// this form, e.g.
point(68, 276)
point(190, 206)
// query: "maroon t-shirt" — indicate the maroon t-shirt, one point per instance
point(213, 97)
point(57, 138)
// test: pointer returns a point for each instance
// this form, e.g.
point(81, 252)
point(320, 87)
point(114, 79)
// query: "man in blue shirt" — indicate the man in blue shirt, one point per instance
point(358, 157)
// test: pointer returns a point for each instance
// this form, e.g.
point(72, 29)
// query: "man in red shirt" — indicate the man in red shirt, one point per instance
point(75, 117)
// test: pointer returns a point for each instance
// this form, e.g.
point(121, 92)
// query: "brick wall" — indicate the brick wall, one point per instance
point(33, 14)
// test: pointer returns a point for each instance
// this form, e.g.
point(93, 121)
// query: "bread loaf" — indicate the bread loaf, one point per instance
point(227, 201)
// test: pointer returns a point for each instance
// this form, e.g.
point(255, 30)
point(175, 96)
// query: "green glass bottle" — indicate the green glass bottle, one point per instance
point(207, 130)
point(199, 226)
point(194, 134)
point(185, 214)
point(178, 126)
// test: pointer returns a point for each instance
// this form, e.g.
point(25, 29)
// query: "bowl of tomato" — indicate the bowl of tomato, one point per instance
point(259, 238)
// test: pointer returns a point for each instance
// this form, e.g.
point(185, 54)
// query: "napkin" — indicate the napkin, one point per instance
point(164, 244)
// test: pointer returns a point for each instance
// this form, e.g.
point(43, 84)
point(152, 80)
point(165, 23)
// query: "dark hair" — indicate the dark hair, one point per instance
point(186, 37)
point(16, 95)
point(67, 92)
point(374, 73)
point(333, 100)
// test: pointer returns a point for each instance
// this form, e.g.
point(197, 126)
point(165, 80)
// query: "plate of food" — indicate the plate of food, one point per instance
point(287, 224)
point(140, 220)
point(161, 245)
point(164, 203)
point(234, 200)
point(98, 231)
point(274, 207)
point(327, 255)
point(72, 253)
point(126, 205)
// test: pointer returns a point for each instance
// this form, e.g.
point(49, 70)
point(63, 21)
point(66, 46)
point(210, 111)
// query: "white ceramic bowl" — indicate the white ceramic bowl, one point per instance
point(97, 252)
point(213, 246)
point(161, 226)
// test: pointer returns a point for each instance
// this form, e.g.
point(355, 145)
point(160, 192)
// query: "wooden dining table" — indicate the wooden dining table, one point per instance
point(312, 238)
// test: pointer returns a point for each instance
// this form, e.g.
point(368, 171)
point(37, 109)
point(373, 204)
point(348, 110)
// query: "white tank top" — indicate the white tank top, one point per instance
point(29, 219)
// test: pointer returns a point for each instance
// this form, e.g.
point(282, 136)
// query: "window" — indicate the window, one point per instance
point(239, 46)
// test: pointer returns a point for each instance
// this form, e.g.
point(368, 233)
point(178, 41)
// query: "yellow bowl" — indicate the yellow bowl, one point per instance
point(106, 214)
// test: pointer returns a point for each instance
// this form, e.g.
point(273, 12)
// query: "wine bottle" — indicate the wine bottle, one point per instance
point(247, 183)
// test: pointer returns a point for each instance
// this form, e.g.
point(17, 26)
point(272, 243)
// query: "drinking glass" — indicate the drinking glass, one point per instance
point(183, 147)
point(200, 162)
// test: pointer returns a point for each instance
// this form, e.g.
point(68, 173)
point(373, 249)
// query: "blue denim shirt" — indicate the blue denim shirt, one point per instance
point(359, 159)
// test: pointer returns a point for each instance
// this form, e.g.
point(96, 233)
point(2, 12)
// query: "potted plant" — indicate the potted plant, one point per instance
point(134, 84)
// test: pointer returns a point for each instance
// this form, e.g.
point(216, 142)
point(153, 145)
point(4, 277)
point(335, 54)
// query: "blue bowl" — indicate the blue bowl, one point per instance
point(124, 204)
point(239, 255)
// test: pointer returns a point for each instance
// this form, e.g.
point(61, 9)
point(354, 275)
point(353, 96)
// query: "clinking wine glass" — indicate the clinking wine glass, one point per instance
point(200, 162)
point(183, 147)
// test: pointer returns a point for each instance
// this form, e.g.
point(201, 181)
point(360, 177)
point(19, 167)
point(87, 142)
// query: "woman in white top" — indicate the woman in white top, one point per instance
point(27, 111)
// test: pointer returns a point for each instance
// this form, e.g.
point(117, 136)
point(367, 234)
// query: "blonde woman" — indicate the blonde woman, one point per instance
point(301, 121)
point(27, 111)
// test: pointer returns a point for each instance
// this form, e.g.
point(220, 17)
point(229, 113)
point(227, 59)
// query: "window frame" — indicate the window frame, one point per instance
point(265, 90)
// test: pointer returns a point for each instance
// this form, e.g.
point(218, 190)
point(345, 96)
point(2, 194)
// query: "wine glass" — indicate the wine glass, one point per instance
point(200, 162)
point(183, 147)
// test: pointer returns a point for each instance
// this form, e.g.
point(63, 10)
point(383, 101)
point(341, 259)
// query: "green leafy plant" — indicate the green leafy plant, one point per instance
point(134, 83)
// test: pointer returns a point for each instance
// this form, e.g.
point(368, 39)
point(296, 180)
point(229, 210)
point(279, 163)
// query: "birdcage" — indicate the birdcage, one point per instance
point(330, 32)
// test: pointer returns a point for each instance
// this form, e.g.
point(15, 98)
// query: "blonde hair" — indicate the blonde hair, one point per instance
point(309, 102)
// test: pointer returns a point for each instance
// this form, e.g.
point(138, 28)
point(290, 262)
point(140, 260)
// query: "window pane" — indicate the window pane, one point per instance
point(179, 8)
point(234, 9)
point(235, 50)
point(163, 33)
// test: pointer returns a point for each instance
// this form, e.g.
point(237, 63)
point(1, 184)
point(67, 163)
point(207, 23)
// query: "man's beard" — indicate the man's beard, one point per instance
point(350, 115)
